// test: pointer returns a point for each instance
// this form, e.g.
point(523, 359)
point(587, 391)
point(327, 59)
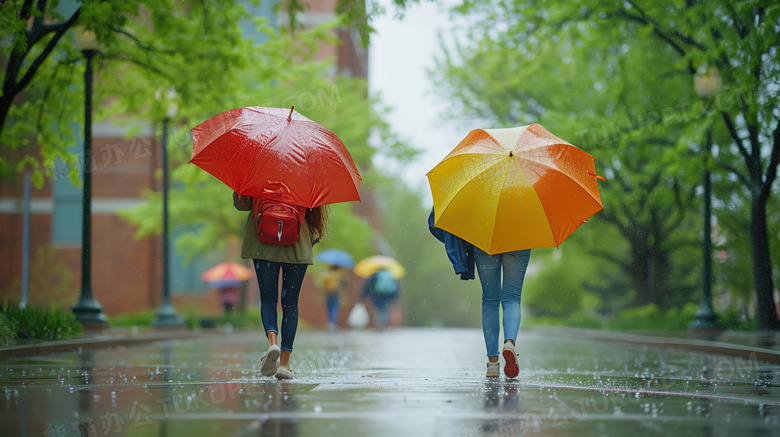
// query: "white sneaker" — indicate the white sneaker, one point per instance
point(269, 361)
point(284, 372)
point(492, 370)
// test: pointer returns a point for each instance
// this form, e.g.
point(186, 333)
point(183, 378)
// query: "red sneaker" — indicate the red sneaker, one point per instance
point(511, 369)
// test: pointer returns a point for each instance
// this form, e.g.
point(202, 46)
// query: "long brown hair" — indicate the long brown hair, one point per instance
point(318, 220)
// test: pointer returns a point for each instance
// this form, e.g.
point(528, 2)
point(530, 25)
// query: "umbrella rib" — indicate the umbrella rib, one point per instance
point(347, 165)
point(344, 159)
point(265, 146)
point(568, 212)
point(470, 179)
point(549, 225)
point(539, 164)
point(495, 218)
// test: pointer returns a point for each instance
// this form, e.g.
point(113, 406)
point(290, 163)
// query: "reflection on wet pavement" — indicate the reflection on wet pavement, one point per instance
point(420, 382)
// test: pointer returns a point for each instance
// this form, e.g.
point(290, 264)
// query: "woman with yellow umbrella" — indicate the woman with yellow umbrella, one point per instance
point(498, 194)
point(382, 287)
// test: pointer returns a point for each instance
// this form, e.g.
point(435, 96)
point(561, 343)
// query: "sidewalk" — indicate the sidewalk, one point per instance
point(736, 344)
point(415, 382)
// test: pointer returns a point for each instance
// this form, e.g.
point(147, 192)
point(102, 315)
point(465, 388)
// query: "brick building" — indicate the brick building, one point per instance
point(127, 273)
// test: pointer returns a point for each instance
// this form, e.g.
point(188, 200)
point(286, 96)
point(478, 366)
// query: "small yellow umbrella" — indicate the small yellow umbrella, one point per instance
point(373, 264)
point(511, 189)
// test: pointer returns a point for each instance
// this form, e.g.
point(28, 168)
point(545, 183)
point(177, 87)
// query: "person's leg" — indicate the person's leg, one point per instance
point(332, 301)
point(292, 279)
point(489, 270)
point(382, 305)
point(336, 307)
point(514, 265)
point(268, 280)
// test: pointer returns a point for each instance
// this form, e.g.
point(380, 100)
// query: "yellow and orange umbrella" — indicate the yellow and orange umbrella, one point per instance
point(512, 189)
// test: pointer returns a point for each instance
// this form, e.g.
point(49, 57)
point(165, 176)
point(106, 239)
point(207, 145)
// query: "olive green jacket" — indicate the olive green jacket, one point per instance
point(299, 253)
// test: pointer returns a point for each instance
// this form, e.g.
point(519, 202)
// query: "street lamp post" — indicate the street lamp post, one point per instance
point(707, 85)
point(87, 309)
point(166, 313)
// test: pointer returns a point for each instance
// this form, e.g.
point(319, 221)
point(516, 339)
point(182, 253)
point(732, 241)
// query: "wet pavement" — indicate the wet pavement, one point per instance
point(403, 382)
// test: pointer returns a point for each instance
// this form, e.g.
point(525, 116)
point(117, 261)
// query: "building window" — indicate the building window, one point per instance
point(66, 216)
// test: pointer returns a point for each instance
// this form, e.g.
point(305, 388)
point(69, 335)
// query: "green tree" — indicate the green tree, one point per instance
point(215, 55)
point(432, 294)
point(154, 37)
point(742, 41)
point(516, 68)
point(195, 48)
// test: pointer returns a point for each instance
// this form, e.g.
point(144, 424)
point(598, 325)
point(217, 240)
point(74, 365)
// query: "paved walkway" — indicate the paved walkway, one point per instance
point(404, 382)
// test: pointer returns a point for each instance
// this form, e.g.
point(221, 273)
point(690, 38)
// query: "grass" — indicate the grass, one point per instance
point(7, 333)
point(248, 319)
point(143, 318)
point(645, 318)
point(36, 323)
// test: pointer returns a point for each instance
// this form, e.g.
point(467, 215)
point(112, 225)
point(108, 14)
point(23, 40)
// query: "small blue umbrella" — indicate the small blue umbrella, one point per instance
point(336, 257)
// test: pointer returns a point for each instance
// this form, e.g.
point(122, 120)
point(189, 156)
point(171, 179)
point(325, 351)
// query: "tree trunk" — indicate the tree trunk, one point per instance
point(646, 275)
point(762, 268)
point(5, 107)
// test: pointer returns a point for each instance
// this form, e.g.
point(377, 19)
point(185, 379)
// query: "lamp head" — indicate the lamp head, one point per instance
point(707, 82)
point(86, 39)
point(169, 100)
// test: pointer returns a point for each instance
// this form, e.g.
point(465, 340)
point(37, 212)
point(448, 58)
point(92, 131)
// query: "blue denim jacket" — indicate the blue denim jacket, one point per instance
point(459, 251)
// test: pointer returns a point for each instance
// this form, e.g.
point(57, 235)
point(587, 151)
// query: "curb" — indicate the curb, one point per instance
point(103, 341)
point(712, 347)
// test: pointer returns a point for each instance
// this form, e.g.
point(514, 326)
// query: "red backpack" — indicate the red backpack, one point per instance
point(278, 222)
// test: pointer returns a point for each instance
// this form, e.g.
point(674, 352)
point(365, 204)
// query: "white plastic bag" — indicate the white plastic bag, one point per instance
point(358, 317)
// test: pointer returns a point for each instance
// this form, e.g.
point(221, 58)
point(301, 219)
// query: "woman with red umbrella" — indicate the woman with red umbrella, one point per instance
point(284, 168)
point(292, 261)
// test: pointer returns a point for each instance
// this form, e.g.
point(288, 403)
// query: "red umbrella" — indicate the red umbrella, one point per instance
point(276, 153)
point(227, 271)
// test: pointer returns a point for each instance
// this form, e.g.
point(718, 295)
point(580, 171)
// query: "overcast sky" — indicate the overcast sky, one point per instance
point(401, 52)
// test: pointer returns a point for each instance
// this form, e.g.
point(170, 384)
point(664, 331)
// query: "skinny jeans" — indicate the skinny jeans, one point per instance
point(268, 280)
point(382, 305)
point(332, 302)
point(506, 293)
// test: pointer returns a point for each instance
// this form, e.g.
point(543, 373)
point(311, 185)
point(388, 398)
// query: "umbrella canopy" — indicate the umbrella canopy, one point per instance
point(512, 189)
point(336, 257)
point(276, 153)
point(368, 266)
point(227, 271)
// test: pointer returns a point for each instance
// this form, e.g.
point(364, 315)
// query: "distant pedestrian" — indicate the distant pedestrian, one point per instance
point(383, 289)
point(334, 283)
point(229, 296)
point(292, 261)
point(496, 290)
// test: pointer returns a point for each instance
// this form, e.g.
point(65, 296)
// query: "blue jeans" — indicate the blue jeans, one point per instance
point(508, 295)
point(268, 279)
point(382, 305)
point(332, 301)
